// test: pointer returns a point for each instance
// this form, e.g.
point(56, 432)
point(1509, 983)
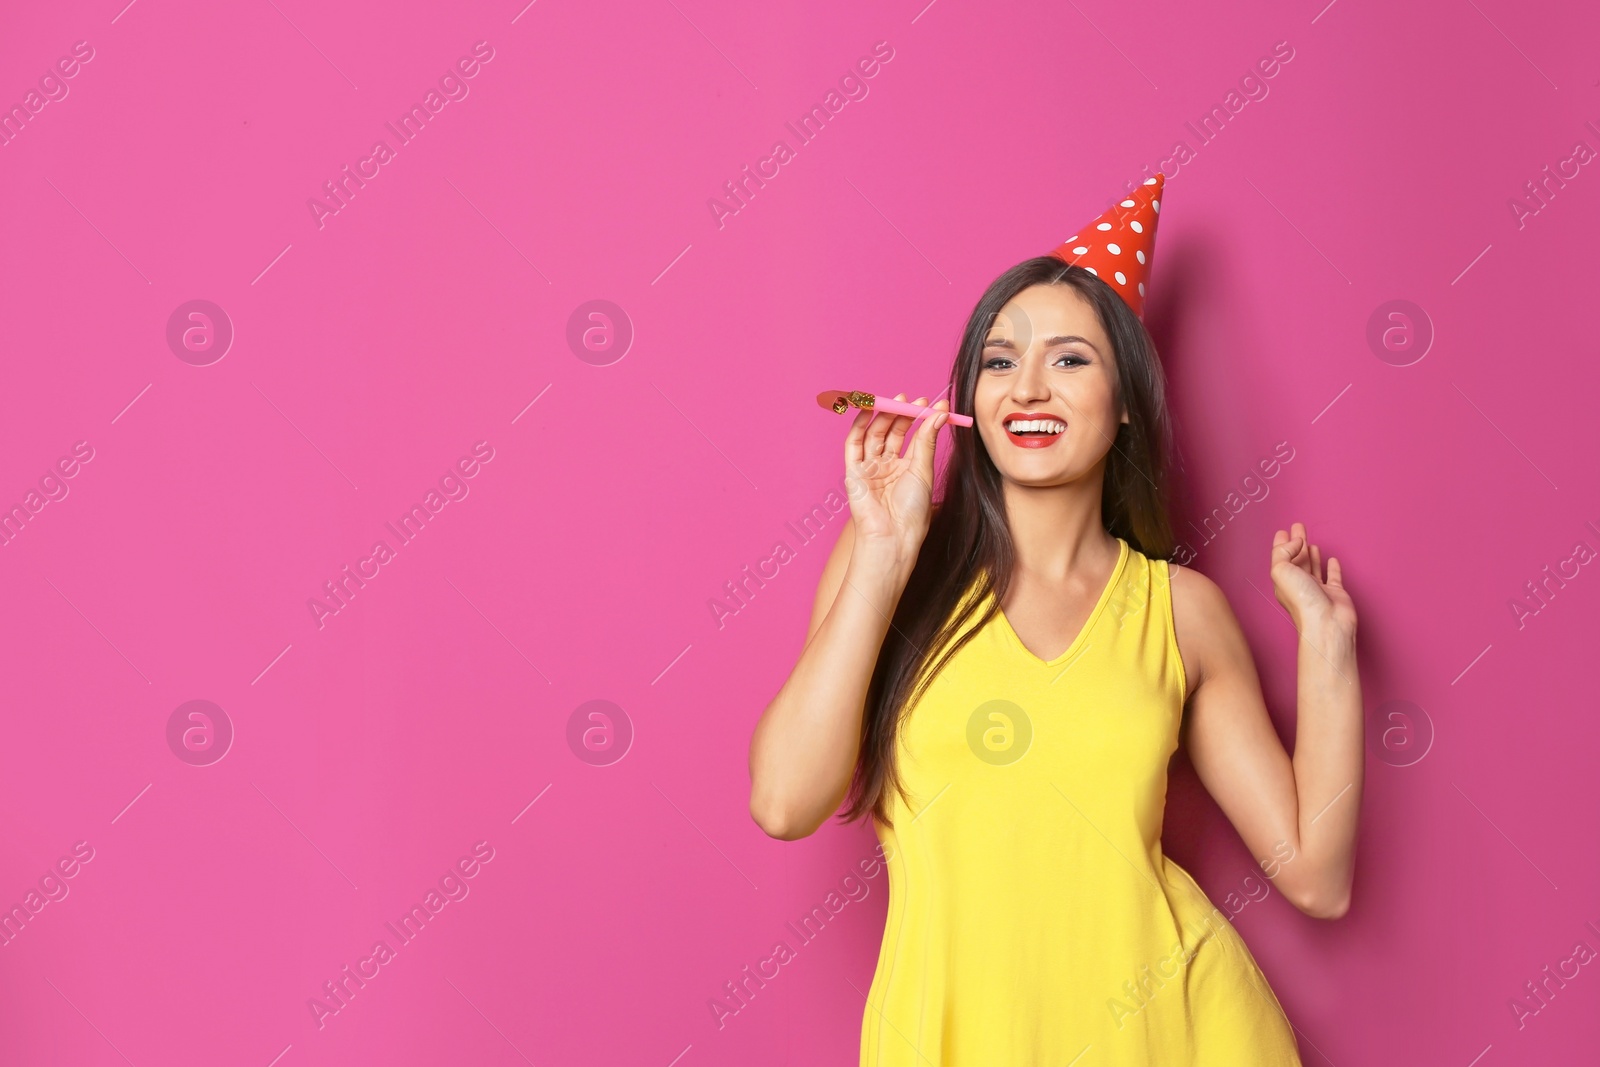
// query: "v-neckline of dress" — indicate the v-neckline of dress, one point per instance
point(1083, 632)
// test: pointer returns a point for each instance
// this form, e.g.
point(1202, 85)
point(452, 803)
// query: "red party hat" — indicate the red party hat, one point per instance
point(1117, 246)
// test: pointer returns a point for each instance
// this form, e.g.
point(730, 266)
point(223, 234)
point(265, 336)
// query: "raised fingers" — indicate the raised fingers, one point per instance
point(854, 441)
point(1287, 547)
point(1304, 559)
point(922, 443)
point(1301, 556)
point(897, 432)
point(878, 431)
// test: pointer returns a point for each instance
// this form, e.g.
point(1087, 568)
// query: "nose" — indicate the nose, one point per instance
point(1029, 383)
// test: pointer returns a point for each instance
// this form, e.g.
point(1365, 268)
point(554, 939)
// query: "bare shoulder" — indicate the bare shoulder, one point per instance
point(1203, 621)
point(1196, 597)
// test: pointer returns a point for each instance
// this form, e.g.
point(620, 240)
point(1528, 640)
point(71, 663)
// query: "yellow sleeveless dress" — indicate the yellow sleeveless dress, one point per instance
point(1033, 919)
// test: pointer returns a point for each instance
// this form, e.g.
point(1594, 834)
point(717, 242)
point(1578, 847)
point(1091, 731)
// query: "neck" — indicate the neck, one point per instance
point(1057, 530)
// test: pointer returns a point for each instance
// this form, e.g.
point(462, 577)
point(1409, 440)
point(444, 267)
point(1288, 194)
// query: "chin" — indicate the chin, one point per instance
point(1037, 476)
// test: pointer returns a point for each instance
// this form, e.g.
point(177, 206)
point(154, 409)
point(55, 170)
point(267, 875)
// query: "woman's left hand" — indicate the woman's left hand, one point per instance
point(1298, 582)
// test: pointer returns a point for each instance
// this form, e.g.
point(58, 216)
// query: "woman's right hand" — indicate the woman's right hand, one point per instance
point(891, 496)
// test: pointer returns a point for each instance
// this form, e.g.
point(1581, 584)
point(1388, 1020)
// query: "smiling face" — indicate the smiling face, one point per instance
point(1046, 402)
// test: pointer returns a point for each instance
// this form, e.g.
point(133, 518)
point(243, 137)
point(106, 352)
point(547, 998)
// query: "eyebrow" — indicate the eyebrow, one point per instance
point(1005, 343)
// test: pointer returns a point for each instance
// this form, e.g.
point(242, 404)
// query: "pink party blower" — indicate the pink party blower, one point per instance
point(840, 401)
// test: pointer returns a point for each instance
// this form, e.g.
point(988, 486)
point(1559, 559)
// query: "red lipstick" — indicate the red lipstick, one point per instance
point(1039, 429)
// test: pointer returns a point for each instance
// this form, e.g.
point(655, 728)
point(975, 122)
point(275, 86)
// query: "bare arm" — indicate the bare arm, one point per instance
point(804, 749)
point(1297, 816)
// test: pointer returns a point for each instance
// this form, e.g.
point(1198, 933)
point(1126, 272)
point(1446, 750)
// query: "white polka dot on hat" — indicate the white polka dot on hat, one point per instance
point(1128, 227)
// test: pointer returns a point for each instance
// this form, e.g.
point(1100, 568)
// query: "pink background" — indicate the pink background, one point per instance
point(372, 353)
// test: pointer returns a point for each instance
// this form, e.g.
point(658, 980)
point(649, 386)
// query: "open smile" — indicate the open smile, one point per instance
point(1029, 429)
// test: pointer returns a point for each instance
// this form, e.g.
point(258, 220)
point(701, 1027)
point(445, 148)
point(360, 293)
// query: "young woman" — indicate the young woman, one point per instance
point(1000, 680)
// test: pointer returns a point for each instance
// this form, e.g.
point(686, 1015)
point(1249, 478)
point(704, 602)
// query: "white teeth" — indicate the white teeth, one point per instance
point(1036, 426)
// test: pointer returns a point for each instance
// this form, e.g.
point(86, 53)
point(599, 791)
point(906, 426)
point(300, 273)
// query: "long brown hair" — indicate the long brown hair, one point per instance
point(968, 539)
